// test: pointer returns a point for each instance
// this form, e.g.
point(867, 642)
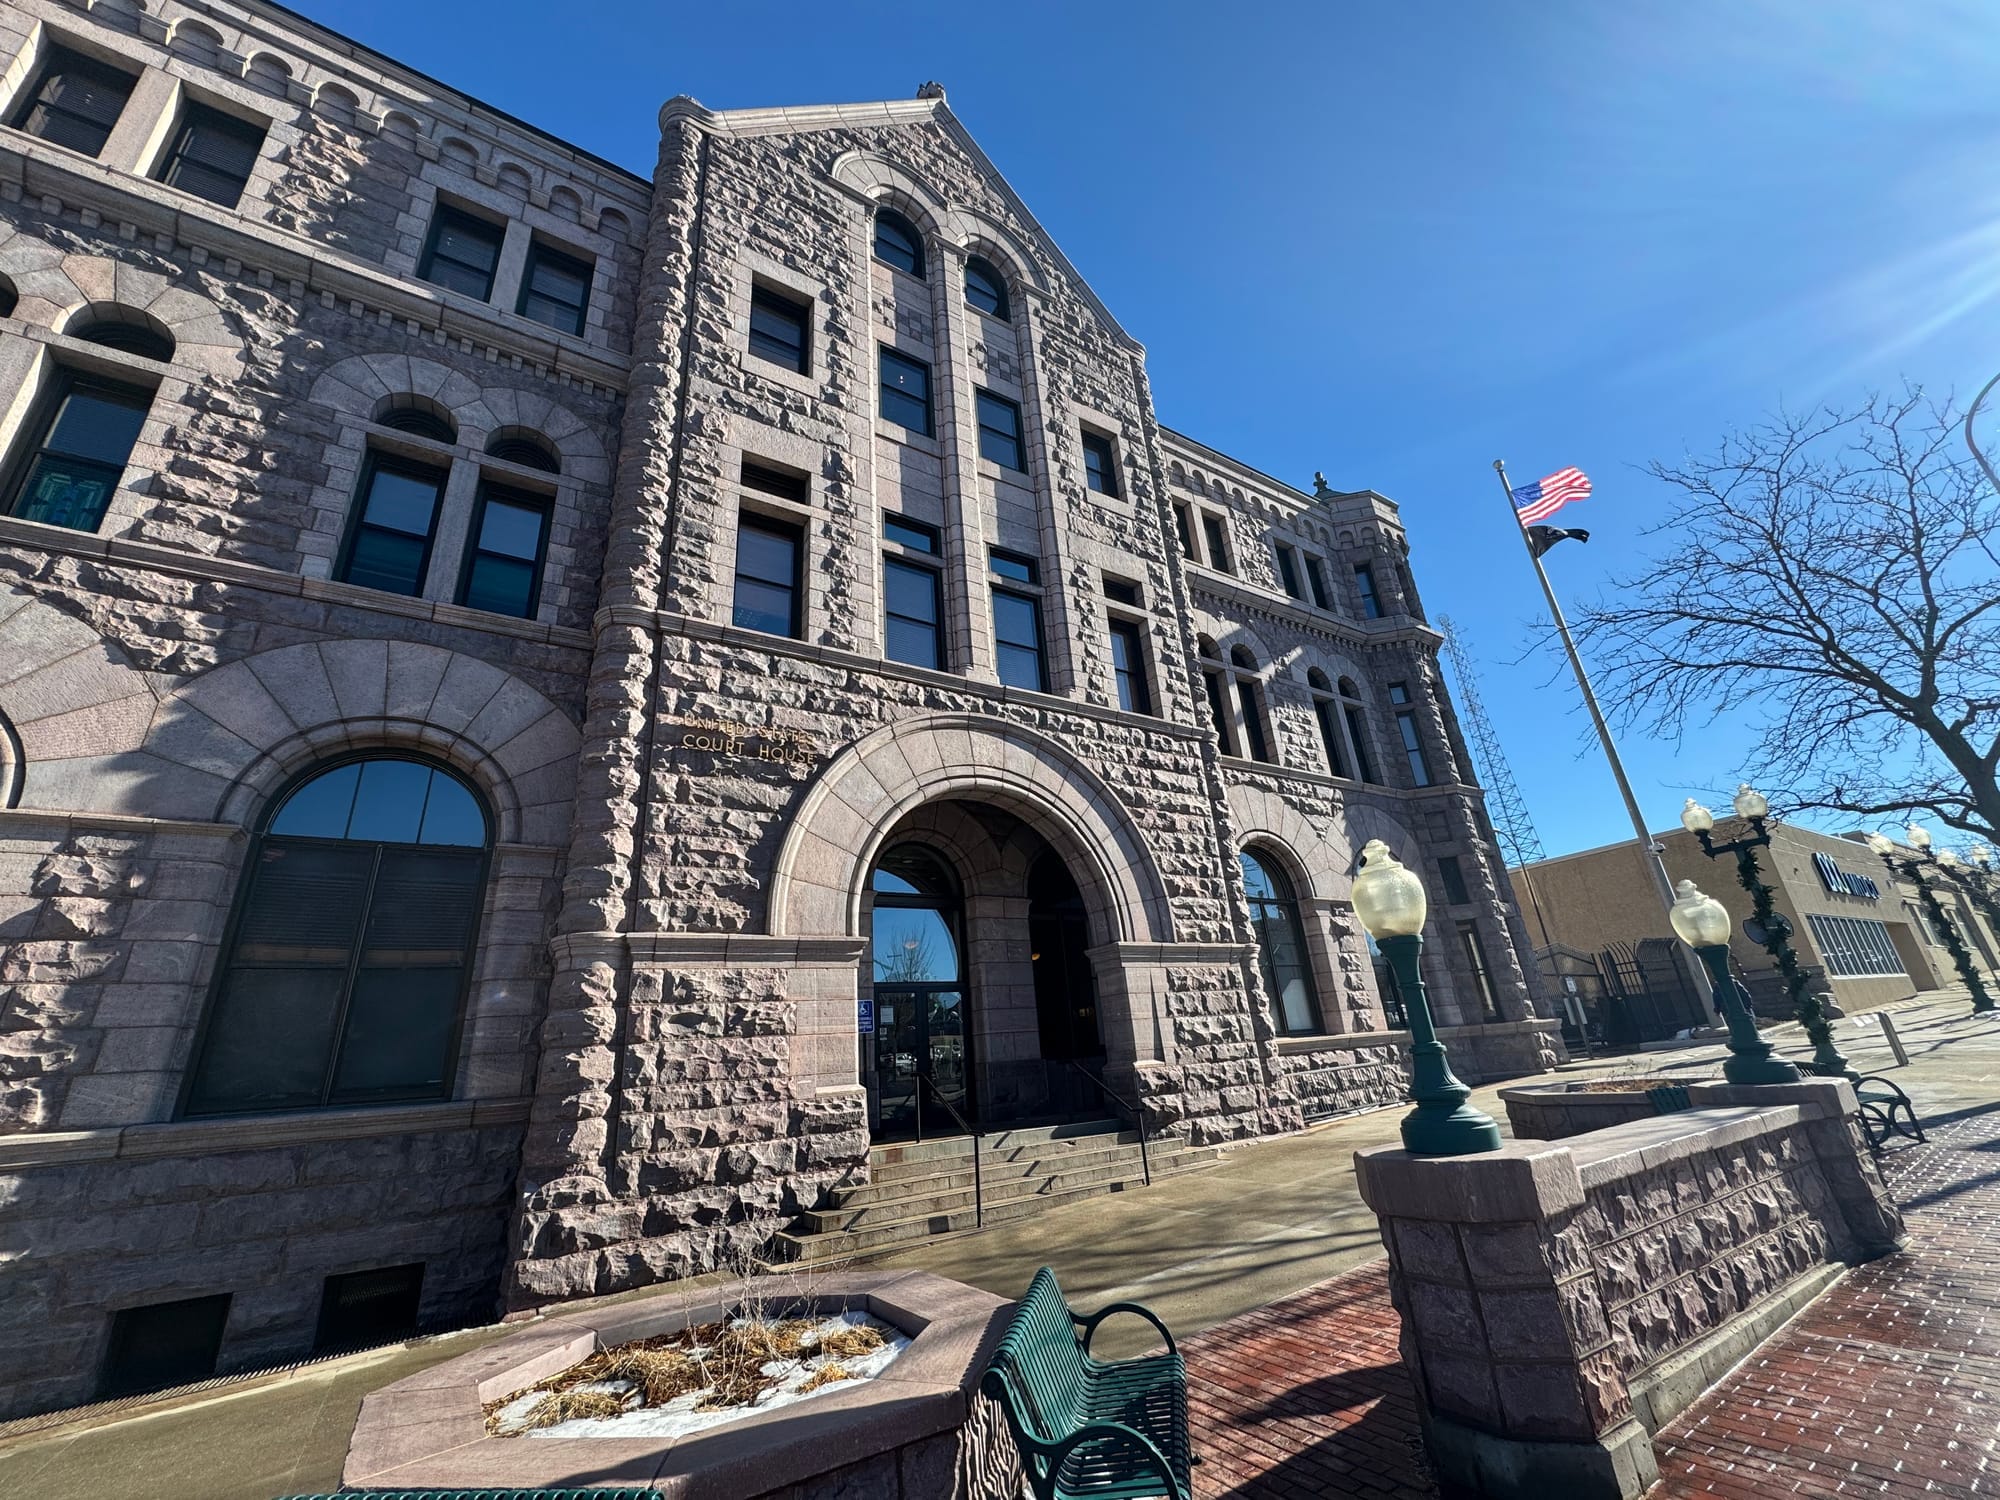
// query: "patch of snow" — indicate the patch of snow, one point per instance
point(678, 1418)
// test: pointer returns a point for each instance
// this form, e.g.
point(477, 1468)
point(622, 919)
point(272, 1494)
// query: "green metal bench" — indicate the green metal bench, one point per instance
point(1086, 1426)
point(1878, 1101)
point(490, 1492)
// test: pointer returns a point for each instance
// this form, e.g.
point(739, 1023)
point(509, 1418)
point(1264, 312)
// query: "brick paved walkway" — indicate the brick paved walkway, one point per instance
point(1889, 1385)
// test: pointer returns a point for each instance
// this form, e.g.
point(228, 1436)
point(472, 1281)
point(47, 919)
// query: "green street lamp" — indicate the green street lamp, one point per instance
point(1769, 927)
point(1702, 922)
point(1391, 904)
point(1913, 871)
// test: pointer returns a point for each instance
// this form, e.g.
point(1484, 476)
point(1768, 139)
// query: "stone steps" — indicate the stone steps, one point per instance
point(932, 1195)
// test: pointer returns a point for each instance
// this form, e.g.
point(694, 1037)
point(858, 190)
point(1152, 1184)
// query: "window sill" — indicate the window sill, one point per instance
point(1338, 1041)
point(805, 382)
point(908, 437)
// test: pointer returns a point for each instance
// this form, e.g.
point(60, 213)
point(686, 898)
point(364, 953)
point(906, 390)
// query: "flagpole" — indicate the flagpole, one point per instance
point(1656, 867)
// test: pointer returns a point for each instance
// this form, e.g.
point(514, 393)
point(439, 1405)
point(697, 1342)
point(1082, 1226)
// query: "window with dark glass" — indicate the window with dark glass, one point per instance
point(985, 288)
point(1281, 947)
point(1482, 978)
point(503, 566)
point(74, 101)
point(1184, 532)
point(165, 1344)
point(1128, 666)
point(365, 1309)
point(1014, 567)
point(9, 298)
point(555, 289)
point(1100, 464)
point(1218, 710)
point(527, 451)
point(1253, 718)
point(212, 155)
point(767, 576)
point(1357, 736)
point(80, 439)
point(1123, 591)
point(912, 606)
point(897, 242)
point(906, 391)
point(1288, 571)
point(462, 253)
point(1000, 431)
point(786, 484)
point(348, 957)
point(1329, 736)
point(1406, 729)
point(907, 533)
point(1316, 581)
point(1452, 875)
point(418, 422)
point(389, 541)
point(1218, 542)
point(1371, 602)
point(780, 329)
point(1017, 639)
point(1394, 1014)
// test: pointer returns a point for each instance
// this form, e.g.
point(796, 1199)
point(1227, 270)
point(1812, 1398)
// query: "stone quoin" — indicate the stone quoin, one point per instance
point(507, 666)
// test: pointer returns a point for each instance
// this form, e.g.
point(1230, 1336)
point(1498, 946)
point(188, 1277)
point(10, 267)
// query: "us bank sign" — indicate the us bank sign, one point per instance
point(1844, 882)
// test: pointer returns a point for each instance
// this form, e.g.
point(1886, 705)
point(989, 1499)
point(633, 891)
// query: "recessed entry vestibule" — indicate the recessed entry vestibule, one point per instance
point(983, 1000)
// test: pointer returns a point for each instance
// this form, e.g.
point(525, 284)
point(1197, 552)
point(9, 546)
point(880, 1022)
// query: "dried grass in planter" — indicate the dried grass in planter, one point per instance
point(567, 1406)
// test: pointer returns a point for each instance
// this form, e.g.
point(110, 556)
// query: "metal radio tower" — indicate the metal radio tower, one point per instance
point(1511, 823)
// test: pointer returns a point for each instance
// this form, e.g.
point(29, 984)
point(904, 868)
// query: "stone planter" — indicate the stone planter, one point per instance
point(1552, 1111)
point(919, 1430)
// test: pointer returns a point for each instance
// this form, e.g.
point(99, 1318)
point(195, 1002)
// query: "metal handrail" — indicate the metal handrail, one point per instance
point(978, 1186)
point(1138, 1115)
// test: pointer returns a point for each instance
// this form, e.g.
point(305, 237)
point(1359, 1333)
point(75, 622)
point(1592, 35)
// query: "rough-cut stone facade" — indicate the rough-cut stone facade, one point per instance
point(684, 814)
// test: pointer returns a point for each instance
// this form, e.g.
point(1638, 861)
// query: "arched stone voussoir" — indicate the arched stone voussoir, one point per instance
point(865, 791)
point(1318, 850)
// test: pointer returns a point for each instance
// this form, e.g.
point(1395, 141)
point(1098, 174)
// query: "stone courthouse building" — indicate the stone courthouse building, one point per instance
point(546, 713)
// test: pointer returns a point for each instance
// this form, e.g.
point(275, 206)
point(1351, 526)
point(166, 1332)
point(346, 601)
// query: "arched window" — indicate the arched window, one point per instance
point(1356, 720)
point(126, 337)
point(1281, 946)
point(352, 943)
point(8, 297)
point(986, 288)
point(517, 445)
point(897, 242)
point(1212, 681)
point(1250, 700)
point(1326, 713)
point(418, 417)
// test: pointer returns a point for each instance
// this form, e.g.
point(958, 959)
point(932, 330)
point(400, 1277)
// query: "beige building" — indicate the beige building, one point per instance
point(1861, 927)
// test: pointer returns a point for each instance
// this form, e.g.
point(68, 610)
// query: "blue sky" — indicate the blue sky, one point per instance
point(1397, 241)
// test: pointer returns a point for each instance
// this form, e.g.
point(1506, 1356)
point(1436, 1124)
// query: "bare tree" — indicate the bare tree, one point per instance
point(1835, 574)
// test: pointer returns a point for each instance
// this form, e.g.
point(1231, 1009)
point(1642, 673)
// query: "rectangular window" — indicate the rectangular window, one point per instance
point(1184, 531)
point(1288, 571)
point(1316, 577)
point(1357, 736)
point(1017, 640)
point(74, 101)
point(365, 1309)
point(211, 155)
point(1406, 728)
point(503, 566)
point(1100, 464)
point(1123, 591)
point(1253, 721)
point(1128, 666)
point(1218, 711)
point(767, 576)
point(1014, 567)
point(1371, 602)
point(786, 484)
point(1482, 979)
point(1855, 947)
point(1218, 543)
point(167, 1344)
point(82, 436)
point(912, 607)
point(908, 533)
point(1000, 431)
point(1453, 879)
point(906, 391)
point(389, 542)
point(555, 289)
point(1329, 736)
point(462, 253)
point(780, 329)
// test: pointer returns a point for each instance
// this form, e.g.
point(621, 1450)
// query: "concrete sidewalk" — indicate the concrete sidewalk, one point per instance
point(1272, 1220)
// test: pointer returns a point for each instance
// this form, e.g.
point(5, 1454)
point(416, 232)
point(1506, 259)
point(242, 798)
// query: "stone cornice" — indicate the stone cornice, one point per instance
point(270, 256)
point(1208, 586)
point(251, 1132)
point(60, 541)
point(1237, 770)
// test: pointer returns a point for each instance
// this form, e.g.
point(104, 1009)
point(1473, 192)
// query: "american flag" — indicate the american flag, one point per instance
point(1549, 494)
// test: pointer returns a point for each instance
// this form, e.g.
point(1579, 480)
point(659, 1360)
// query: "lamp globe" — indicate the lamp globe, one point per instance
point(1702, 921)
point(1695, 818)
point(1388, 897)
point(1751, 803)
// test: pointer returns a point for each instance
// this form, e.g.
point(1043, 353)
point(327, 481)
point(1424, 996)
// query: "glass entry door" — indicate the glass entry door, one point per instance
point(920, 1034)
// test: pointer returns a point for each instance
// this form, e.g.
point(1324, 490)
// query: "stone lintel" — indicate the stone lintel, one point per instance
point(1523, 1180)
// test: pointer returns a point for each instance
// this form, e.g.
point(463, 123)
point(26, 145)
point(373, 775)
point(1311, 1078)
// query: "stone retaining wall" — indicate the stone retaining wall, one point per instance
point(1555, 1296)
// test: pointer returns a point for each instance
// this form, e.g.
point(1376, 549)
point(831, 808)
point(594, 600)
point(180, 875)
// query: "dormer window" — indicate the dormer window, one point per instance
point(897, 242)
point(985, 288)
